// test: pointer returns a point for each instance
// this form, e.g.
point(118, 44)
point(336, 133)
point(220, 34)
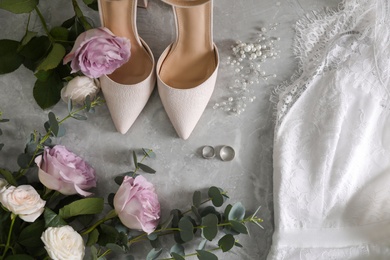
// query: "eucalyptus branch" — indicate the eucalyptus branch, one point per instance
point(49, 133)
point(110, 215)
point(194, 254)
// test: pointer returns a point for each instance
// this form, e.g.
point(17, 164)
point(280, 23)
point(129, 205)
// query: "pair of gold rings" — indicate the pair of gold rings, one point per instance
point(226, 153)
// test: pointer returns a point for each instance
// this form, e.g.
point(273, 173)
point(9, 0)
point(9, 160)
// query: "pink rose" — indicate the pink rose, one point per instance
point(97, 52)
point(137, 205)
point(65, 172)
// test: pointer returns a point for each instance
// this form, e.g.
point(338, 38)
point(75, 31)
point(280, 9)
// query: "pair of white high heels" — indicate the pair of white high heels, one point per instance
point(186, 71)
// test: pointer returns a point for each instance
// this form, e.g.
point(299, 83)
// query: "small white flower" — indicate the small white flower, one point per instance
point(23, 201)
point(63, 243)
point(79, 88)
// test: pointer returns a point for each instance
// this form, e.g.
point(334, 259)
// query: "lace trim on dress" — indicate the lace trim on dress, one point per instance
point(316, 33)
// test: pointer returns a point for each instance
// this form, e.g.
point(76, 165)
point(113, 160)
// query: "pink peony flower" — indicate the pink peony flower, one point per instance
point(137, 205)
point(97, 52)
point(63, 171)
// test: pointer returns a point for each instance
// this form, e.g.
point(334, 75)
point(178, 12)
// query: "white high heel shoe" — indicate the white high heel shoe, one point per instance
point(187, 69)
point(128, 88)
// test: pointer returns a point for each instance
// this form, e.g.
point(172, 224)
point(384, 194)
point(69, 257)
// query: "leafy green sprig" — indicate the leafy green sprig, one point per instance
point(54, 128)
point(43, 54)
point(2, 120)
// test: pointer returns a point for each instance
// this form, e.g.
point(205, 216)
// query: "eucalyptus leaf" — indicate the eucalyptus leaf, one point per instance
point(166, 223)
point(216, 196)
point(205, 255)
point(177, 249)
point(88, 103)
point(155, 243)
point(94, 253)
point(154, 254)
point(237, 212)
point(116, 248)
point(186, 229)
point(70, 105)
point(52, 219)
point(176, 256)
point(54, 57)
point(152, 236)
point(61, 131)
point(9, 57)
point(227, 211)
point(82, 207)
point(197, 198)
point(208, 210)
point(93, 237)
point(196, 213)
point(18, 6)
point(146, 168)
point(24, 160)
point(210, 227)
point(119, 179)
point(239, 227)
point(110, 199)
point(54, 127)
point(48, 93)
point(226, 242)
point(79, 117)
point(238, 245)
point(149, 153)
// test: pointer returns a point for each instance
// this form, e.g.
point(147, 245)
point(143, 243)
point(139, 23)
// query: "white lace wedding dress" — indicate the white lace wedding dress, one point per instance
point(332, 139)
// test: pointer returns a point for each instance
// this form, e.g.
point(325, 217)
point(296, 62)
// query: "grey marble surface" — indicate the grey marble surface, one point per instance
point(180, 168)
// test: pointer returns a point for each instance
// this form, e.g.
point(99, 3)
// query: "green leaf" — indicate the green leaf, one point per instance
point(54, 126)
point(149, 153)
point(239, 227)
point(107, 234)
point(135, 159)
point(68, 23)
point(24, 160)
point(116, 248)
point(146, 168)
point(227, 211)
point(34, 51)
point(48, 93)
point(94, 253)
point(197, 198)
point(10, 59)
point(93, 237)
point(237, 212)
point(238, 245)
point(54, 58)
point(154, 254)
point(8, 176)
point(18, 6)
point(88, 2)
point(30, 236)
point(88, 103)
point(177, 249)
point(110, 199)
point(186, 229)
point(196, 213)
point(166, 224)
point(79, 117)
point(152, 236)
point(205, 255)
point(19, 257)
point(52, 219)
point(27, 38)
point(176, 256)
point(43, 75)
point(226, 242)
point(82, 207)
point(216, 196)
point(1, 146)
point(210, 224)
point(59, 33)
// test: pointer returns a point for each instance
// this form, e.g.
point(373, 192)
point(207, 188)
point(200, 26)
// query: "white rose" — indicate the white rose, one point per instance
point(63, 243)
point(79, 88)
point(3, 185)
point(23, 201)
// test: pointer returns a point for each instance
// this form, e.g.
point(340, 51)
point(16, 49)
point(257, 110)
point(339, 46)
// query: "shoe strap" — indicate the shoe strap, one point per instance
point(186, 3)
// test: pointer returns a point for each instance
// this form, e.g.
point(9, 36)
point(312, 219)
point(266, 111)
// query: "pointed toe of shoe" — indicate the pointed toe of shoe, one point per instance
point(125, 102)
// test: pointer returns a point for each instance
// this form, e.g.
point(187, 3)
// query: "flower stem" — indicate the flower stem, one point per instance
point(80, 15)
point(110, 215)
point(43, 23)
point(105, 253)
point(7, 245)
point(193, 254)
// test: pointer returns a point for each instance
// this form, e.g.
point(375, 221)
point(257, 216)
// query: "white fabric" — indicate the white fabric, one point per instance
point(332, 139)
